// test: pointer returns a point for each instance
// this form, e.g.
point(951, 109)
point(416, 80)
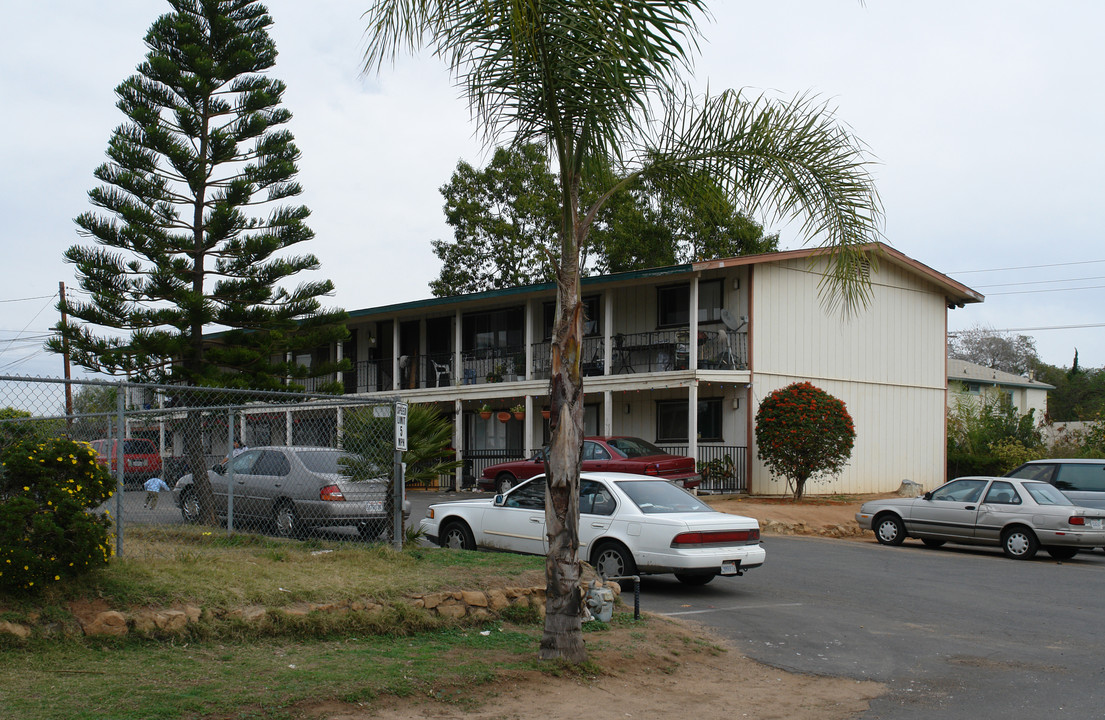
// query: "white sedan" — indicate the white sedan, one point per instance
point(628, 525)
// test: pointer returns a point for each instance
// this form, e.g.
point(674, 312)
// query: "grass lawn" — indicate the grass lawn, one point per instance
point(230, 669)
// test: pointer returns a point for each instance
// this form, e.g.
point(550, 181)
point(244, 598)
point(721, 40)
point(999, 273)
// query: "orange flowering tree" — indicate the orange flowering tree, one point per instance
point(802, 432)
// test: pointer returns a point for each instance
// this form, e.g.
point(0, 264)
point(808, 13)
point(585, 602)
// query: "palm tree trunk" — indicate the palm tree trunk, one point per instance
point(563, 637)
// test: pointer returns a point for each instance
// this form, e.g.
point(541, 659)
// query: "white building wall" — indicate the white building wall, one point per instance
point(886, 363)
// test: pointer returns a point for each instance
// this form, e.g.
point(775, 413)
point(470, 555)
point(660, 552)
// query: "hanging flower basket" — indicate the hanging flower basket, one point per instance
point(485, 412)
point(546, 414)
point(503, 416)
point(520, 416)
point(519, 412)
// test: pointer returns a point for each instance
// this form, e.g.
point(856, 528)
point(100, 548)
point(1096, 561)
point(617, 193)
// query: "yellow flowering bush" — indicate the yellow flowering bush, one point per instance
point(48, 531)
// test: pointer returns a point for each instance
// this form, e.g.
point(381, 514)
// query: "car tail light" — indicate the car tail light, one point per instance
point(716, 537)
point(331, 492)
point(652, 470)
point(1076, 520)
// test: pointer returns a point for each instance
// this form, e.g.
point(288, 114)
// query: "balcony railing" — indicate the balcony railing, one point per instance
point(722, 467)
point(653, 351)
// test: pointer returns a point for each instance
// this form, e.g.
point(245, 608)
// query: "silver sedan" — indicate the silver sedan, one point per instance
point(1019, 515)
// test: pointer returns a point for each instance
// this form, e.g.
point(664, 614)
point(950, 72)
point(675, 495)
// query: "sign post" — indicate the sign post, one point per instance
point(399, 484)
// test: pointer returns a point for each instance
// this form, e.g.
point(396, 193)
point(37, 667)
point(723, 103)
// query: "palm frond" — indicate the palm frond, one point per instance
point(786, 159)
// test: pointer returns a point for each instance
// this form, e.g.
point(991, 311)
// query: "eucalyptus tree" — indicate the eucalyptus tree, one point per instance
point(191, 234)
point(599, 83)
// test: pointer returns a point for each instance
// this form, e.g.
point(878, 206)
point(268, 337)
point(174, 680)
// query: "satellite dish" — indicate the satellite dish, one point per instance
point(731, 322)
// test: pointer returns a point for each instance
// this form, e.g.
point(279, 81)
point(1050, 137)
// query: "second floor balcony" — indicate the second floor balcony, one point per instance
point(656, 351)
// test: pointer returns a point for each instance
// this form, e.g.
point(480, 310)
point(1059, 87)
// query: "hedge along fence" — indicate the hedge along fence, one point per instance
point(48, 531)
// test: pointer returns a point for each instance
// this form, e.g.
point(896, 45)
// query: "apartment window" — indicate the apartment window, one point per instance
point(711, 300)
point(673, 303)
point(495, 329)
point(591, 317)
point(671, 421)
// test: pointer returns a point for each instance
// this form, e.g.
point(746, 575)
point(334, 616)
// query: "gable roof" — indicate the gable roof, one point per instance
point(956, 293)
point(963, 371)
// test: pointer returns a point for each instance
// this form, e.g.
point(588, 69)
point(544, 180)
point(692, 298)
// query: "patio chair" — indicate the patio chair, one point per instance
point(443, 370)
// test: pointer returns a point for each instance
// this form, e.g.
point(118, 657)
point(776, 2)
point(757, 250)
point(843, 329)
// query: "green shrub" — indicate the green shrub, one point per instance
point(983, 434)
point(47, 531)
point(802, 432)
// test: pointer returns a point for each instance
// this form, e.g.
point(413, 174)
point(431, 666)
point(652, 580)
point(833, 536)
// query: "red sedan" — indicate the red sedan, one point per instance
point(601, 454)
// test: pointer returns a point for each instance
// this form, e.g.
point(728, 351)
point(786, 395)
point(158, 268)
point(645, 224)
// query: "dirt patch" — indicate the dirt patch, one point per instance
point(679, 675)
point(821, 516)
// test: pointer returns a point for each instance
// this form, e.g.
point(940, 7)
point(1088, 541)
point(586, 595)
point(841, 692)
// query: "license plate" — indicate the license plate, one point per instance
point(729, 567)
point(1096, 523)
point(376, 507)
point(138, 463)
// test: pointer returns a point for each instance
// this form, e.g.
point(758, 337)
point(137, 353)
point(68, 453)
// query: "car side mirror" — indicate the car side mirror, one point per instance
point(499, 500)
point(219, 469)
point(928, 495)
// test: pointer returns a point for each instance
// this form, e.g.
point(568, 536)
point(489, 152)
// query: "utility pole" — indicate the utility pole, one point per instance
point(65, 359)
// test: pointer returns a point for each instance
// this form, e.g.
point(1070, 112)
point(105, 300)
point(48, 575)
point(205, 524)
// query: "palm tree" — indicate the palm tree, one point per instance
point(598, 82)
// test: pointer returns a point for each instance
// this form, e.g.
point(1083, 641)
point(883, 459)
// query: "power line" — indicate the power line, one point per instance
point(37, 297)
point(1030, 329)
point(1026, 267)
point(1050, 290)
point(1041, 282)
point(10, 342)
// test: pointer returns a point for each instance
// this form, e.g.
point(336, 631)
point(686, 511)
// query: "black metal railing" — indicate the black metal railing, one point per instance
point(652, 351)
point(592, 356)
point(475, 461)
point(722, 466)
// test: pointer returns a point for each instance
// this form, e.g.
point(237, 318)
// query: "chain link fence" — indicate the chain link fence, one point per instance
point(282, 464)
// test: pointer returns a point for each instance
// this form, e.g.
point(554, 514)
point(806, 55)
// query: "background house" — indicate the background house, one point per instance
point(1025, 393)
point(682, 356)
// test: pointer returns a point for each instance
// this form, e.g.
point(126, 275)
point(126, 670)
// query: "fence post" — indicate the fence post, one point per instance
point(120, 460)
point(230, 472)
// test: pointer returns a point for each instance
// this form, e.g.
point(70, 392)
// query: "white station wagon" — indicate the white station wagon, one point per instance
point(628, 525)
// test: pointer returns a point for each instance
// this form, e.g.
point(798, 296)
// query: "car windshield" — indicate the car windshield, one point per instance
point(138, 446)
point(658, 496)
point(1045, 494)
point(321, 461)
point(634, 447)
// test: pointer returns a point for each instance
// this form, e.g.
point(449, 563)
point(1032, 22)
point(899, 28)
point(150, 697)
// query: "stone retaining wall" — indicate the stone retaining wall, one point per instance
point(97, 619)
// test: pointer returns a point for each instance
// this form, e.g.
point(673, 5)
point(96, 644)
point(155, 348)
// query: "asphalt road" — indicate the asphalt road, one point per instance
point(954, 633)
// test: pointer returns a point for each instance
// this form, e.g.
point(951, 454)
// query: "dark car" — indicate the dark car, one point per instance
point(141, 460)
point(614, 453)
point(1081, 479)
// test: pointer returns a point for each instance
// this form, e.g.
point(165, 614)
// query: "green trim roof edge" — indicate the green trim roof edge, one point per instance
point(522, 290)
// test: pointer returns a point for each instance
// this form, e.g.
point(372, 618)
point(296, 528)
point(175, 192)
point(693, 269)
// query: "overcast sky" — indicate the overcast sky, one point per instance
point(985, 118)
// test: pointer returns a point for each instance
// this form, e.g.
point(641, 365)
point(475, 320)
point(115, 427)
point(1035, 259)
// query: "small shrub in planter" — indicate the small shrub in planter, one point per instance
point(47, 529)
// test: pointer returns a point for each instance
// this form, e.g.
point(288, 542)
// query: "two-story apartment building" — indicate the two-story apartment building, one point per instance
point(682, 356)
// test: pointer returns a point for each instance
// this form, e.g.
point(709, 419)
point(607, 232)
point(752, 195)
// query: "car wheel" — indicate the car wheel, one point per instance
point(286, 520)
point(456, 535)
point(889, 529)
point(1019, 543)
point(933, 542)
point(694, 580)
point(504, 482)
point(189, 506)
point(1061, 552)
point(372, 530)
point(614, 560)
